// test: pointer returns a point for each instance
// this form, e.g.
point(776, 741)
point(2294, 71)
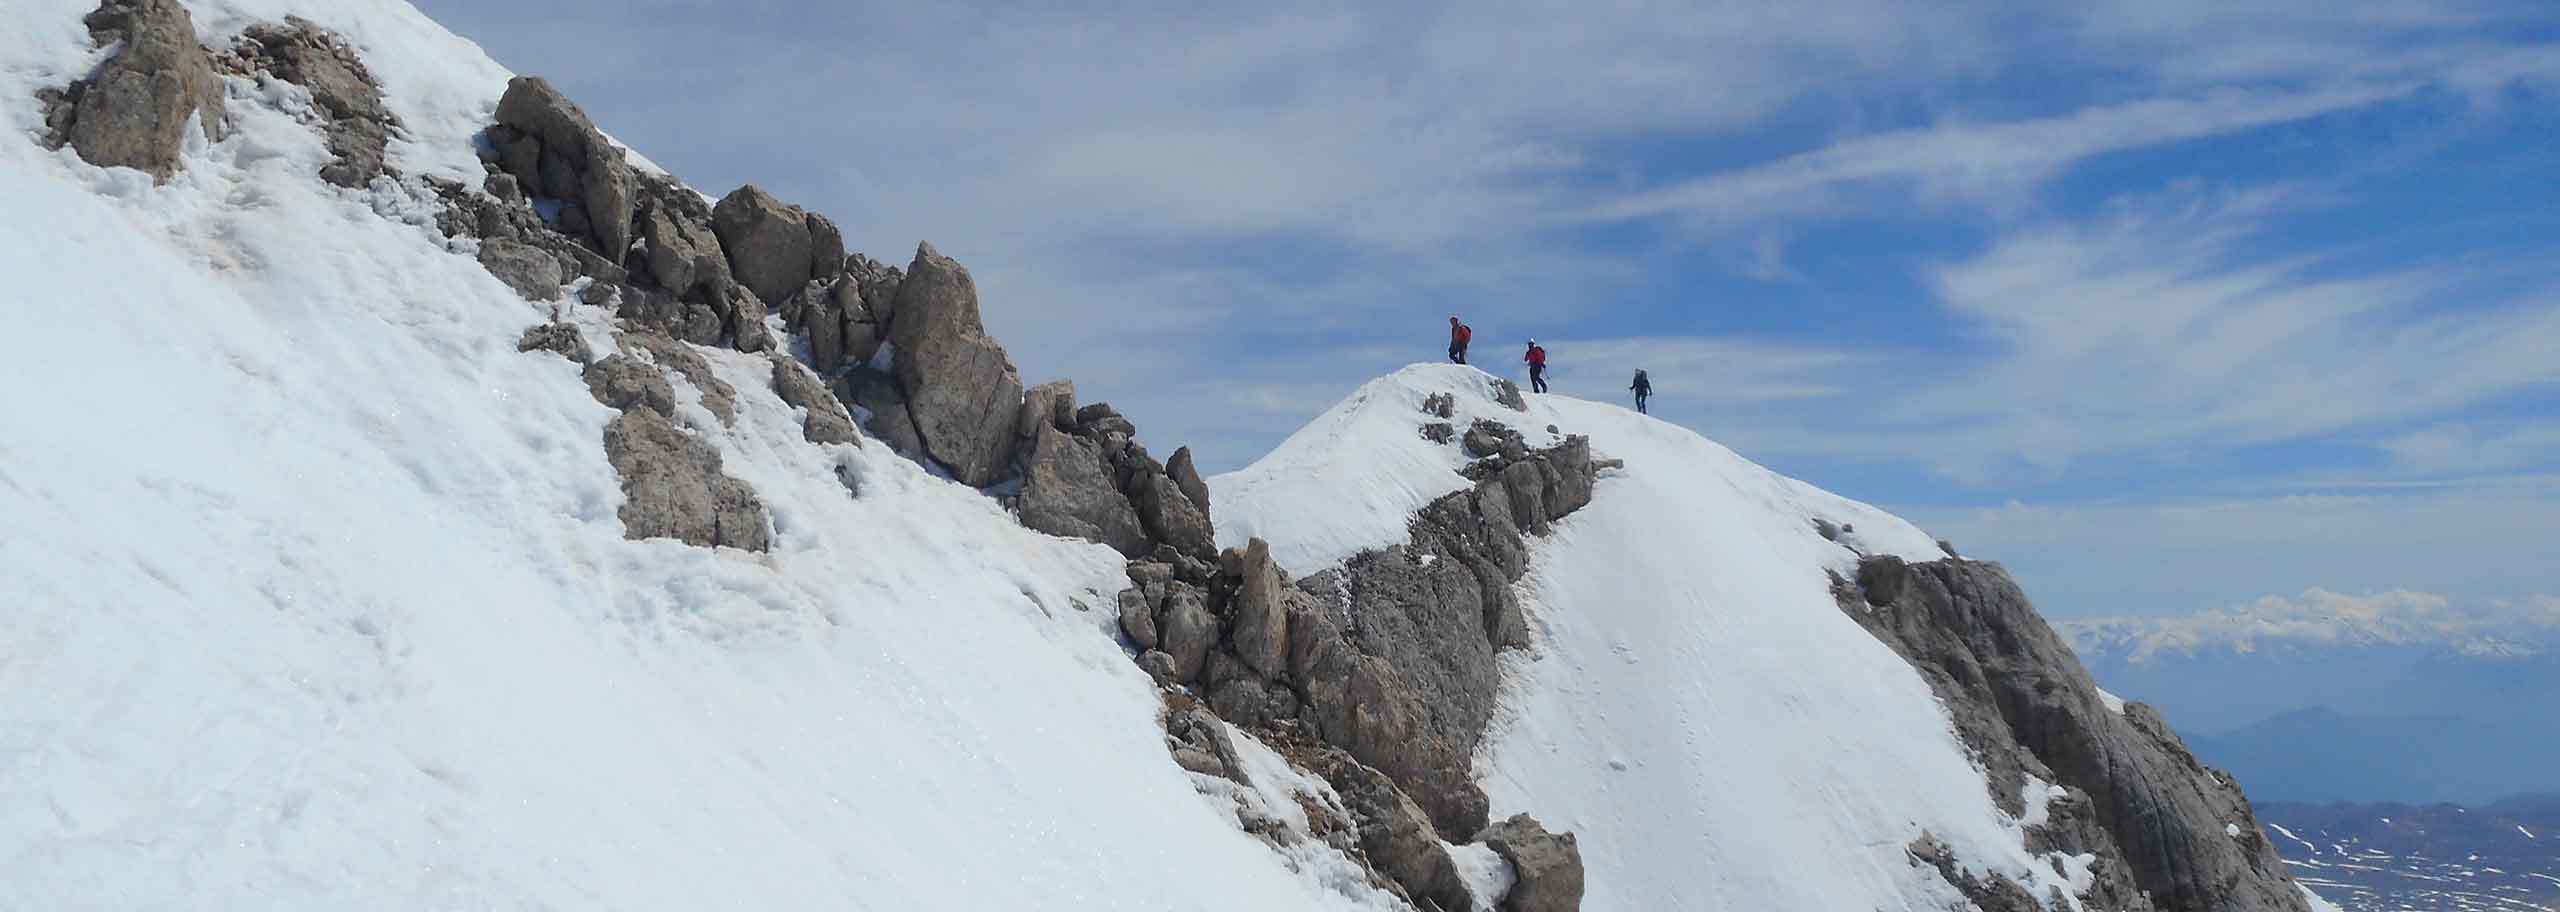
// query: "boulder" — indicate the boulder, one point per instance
point(1397, 837)
point(963, 391)
point(767, 241)
point(570, 160)
point(133, 113)
point(1187, 477)
point(826, 249)
point(878, 284)
point(1050, 404)
point(1138, 618)
point(827, 312)
point(1187, 629)
point(1546, 867)
point(678, 246)
point(717, 395)
point(672, 487)
point(746, 320)
point(1261, 636)
point(1065, 492)
point(624, 382)
point(1508, 393)
point(1168, 516)
point(1159, 667)
point(532, 271)
point(558, 338)
point(826, 420)
point(1440, 405)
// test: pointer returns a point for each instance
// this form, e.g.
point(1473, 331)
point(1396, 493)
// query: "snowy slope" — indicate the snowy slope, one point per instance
point(317, 597)
point(1696, 708)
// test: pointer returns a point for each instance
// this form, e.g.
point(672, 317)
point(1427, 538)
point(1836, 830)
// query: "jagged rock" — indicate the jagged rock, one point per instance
point(1439, 432)
point(819, 310)
point(1196, 731)
point(1396, 836)
point(1546, 867)
point(767, 241)
point(531, 271)
point(1440, 405)
point(1065, 492)
point(1168, 516)
point(717, 395)
point(1246, 700)
point(503, 186)
point(1159, 666)
point(623, 382)
point(1138, 618)
point(558, 338)
point(962, 390)
point(1570, 476)
point(2024, 707)
point(568, 159)
point(1187, 477)
point(672, 486)
point(877, 395)
point(878, 283)
point(679, 249)
point(1261, 635)
point(311, 57)
point(1948, 548)
point(746, 320)
point(1487, 438)
point(133, 112)
point(1826, 528)
point(1508, 393)
point(826, 249)
point(1051, 404)
point(1188, 630)
point(826, 421)
point(1101, 420)
point(1526, 485)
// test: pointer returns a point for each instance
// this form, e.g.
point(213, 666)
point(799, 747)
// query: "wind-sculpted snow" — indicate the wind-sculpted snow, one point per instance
point(317, 596)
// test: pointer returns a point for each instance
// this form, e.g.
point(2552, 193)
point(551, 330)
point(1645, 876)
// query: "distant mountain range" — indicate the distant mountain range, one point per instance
point(2396, 696)
point(2388, 857)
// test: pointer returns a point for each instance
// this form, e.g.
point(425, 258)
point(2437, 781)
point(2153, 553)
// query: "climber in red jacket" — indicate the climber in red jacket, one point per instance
point(1459, 335)
point(1537, 358)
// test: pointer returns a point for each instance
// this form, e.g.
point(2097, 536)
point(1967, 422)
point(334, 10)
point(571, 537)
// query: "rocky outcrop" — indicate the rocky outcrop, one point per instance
point(669, 354)
point(532, 271)
point(2135, 797)
point(673, 487)
point(884, 409)
point(358, 126)
point(961, 389)
point(133, 112)
point(1067, 491)
point(824, 420)
point(624, 382)
point(1546, 867)
point(558, 338)
point(776, 248)
point(553, 150)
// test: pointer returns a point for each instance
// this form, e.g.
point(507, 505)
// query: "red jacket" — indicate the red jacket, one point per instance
point(1461, 334)
point(1536, 355)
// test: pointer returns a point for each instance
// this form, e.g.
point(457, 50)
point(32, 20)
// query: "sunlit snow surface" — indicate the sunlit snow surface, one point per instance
point(316, 597)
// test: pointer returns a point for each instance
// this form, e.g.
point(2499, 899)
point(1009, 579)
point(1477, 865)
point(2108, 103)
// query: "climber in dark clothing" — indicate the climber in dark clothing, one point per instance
point(1459, 335)
point(1644, 390)
point(1537, 358)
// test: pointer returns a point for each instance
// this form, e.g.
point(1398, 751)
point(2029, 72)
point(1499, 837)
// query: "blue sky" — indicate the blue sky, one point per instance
point(2169, 305)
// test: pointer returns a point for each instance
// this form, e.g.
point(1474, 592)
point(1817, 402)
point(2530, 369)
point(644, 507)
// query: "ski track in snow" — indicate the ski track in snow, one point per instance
point(319, 599)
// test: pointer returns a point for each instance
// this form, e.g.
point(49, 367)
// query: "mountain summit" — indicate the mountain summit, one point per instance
point(421, 500)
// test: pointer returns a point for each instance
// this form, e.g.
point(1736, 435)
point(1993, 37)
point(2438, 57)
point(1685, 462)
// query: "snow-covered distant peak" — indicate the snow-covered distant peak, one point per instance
point(2321, 619)
point(1350, 479)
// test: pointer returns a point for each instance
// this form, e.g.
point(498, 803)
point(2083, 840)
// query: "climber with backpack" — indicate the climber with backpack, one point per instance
point(1644, 390)
point(1459, 335)
point(1537, 358)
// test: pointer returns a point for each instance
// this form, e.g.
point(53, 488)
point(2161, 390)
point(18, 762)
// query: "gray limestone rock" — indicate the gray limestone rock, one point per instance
point(532, 271)
point(569, 159)
point(558, 338)
point(963, 391)
point(1158, 665)
point(1168, 516)
point(1546, 867)
point(746, 320)
point(826, 249)
point(133, 112)
point(1138, 618)
point(1508, 393)
point(2025, 707)
point(717, 395)
point(678, 247)
point(1050, 404)
point(1188, 630)
point(1187, 477)
point(877, 395)
point(826, 420)
point(1261, 635)
point(1066, 492)
point(624, 382)
point(767, 241)
point(672, 487)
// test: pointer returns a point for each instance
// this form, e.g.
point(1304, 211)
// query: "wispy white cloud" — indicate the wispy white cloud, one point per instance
point(2322, 618)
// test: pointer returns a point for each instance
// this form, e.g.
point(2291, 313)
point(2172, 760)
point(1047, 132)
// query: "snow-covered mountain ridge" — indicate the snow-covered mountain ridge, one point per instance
point(450, 508)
